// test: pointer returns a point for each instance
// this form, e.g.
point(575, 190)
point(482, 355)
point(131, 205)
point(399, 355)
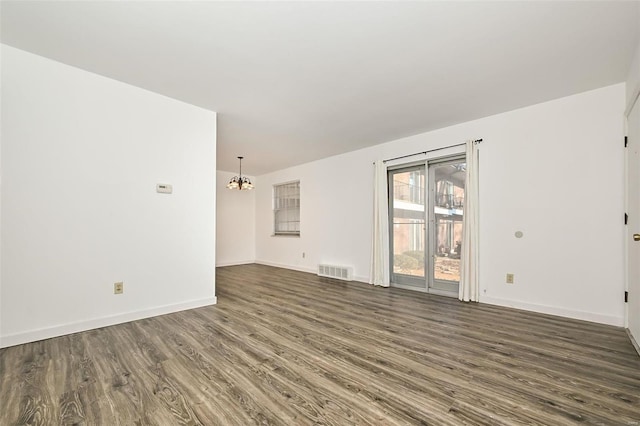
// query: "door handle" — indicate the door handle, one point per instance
point(636, 237)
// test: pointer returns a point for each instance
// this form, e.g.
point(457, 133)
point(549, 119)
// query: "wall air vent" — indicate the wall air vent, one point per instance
point(339, 272)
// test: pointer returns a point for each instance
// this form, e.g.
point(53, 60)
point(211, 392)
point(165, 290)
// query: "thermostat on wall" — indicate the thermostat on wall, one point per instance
point(164, 188)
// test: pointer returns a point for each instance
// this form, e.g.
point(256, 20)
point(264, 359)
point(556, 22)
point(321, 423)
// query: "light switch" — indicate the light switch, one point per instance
point(164, 188)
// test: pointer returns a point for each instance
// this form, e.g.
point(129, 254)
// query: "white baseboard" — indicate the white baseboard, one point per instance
point(281, 265)
point(304, 269)
point(61, 330)
point(236, 262)
point(554, 310)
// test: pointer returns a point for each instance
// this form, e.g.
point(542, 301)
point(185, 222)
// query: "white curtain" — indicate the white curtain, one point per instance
point(380, 249)
point(469, 284)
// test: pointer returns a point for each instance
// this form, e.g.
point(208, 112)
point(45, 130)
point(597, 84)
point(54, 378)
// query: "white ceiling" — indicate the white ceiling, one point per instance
point(298, 81)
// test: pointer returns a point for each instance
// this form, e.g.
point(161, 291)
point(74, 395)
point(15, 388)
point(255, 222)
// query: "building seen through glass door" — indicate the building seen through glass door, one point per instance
point(426, 221)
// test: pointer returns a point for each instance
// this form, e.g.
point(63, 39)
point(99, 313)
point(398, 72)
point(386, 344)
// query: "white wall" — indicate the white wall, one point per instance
point(335, 205)
point(1, 127)
point(633, 79)
point(553, 171)
point(81, 155)
point(235, 223)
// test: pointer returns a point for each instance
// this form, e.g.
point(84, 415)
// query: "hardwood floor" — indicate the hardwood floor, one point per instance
point(289, 348)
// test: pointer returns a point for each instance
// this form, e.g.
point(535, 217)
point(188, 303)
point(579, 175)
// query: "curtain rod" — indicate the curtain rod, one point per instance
point(431, 150)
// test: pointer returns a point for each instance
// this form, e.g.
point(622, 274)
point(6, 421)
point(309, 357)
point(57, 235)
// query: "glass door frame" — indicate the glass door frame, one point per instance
point(397, 279)
point(427, 283)
point(432, 248)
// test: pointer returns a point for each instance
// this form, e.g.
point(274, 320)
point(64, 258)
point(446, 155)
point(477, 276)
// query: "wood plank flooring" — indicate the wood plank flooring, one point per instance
point(288, 348)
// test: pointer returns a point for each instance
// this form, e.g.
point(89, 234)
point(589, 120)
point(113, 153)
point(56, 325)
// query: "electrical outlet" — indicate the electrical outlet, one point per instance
point(509, 278)
point(118, 288)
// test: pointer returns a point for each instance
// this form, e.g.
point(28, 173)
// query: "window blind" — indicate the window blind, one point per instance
point(286, 208)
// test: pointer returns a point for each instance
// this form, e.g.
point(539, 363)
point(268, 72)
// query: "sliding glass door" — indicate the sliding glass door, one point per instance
point(426, 220)
point(446, 203)
point(407, 202)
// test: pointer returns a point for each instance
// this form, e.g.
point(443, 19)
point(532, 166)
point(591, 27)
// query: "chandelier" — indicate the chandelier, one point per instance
point(240, 182)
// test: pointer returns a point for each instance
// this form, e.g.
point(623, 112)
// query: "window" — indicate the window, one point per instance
point(286, 209)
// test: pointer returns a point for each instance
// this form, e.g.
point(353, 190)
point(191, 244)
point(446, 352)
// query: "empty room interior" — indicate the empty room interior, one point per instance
point(297, 213)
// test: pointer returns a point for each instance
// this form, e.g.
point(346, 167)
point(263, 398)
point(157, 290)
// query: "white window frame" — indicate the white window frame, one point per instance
point(286, 209)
